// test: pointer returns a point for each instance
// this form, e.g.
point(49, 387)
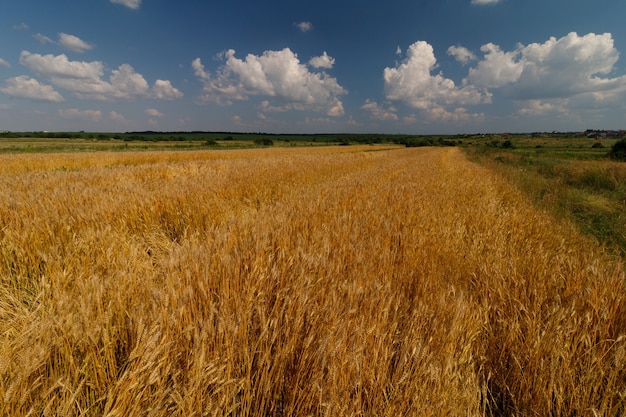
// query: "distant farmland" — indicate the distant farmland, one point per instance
point(298, 281)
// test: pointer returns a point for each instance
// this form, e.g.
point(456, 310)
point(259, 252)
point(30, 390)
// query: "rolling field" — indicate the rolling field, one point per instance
point(327, 281)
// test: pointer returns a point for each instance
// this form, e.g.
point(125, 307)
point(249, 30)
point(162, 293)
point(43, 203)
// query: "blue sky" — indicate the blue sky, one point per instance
point(419, 66)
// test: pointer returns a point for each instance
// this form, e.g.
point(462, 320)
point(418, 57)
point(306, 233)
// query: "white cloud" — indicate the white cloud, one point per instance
point(497, 69)
point(278, 75)
point(558, 68)
point(127, 83)
point(461, 54)
point(74, 43)
point(60, 67)
point(21, 26)
point(378, 112)
point(335, 108)
point(85, 79)
point(163, 90)
point(154, 113)
point(131, 4)
point(304, 26)
point(485, 2)
point(75, 114)
point(4, 63)
point(322, 61)
point(412, 82)
point(29, 88)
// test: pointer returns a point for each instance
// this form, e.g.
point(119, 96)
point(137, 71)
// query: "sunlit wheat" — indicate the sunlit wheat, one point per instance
point(302, 282)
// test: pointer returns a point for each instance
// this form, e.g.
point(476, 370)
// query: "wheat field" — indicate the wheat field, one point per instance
point(297, 282)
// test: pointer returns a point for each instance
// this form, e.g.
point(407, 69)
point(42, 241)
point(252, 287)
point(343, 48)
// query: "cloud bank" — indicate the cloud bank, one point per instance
point(29, 88)
point(86, 80)
point(555, 76)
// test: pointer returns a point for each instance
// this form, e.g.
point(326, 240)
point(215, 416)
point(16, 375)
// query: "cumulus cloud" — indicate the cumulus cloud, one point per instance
point(86, 79)
point(163, 90)
point(554, 77)
point(131, 4)
point(4, 63)
point(74, 43)
point(497, 69)
point(75, 114)
point(322, 61)
point(29, 88)
point(154, 113)
point(461, 54)
point(413, 83)
point(378, 112)
point(60, 67)
point(304, 26)
point(277, 75)
point(558, 68)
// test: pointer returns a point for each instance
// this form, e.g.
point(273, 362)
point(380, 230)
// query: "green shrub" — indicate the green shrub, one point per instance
point(618, 150)
point(264, 142)
point(507, 144)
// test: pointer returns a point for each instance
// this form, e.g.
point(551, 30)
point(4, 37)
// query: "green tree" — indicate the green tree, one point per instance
point(618, 150)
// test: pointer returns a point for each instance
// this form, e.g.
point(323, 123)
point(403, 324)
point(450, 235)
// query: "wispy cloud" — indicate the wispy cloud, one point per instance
point(154, 113)
point(74, 43)
point(131, 4)
point(76, 114)
point(42, 39)
point(378, 112)
point(4, 63)
point(485, 2)
point(304, 26)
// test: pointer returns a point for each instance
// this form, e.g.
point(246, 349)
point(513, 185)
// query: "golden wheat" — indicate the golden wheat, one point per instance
point(300, 282)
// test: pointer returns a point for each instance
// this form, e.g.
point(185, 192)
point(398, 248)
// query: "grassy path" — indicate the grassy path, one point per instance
point(334, 282)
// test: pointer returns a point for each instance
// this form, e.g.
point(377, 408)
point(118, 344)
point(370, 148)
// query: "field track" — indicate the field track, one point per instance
point(335, 281)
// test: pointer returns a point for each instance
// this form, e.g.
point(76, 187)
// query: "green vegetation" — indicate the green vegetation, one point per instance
point(618, 150)
point(576, 178)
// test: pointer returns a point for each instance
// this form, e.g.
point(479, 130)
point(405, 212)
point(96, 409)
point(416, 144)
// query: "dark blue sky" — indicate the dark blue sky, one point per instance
point(421, 66)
